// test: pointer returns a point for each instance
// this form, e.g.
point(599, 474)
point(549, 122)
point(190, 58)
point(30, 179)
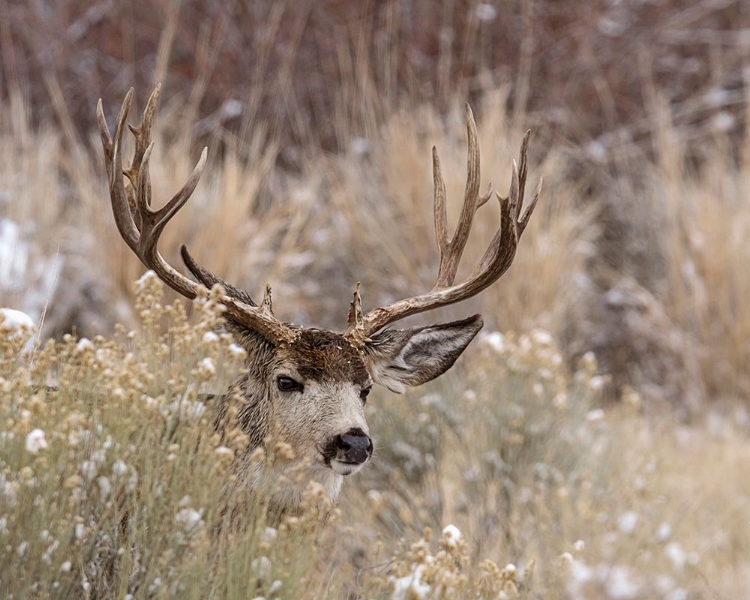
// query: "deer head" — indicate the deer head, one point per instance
point(311, 385)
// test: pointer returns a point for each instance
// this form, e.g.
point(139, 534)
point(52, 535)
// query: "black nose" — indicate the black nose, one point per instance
point(355, 446)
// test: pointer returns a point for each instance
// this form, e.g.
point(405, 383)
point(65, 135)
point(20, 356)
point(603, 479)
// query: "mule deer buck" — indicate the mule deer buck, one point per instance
point(311, 385)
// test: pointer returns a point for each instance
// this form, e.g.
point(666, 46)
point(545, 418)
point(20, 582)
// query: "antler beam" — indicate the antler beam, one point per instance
point(140, 226)
point(495, 262)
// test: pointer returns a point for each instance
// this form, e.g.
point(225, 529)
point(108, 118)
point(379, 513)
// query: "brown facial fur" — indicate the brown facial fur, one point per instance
point(326, 356)
point(333, 375)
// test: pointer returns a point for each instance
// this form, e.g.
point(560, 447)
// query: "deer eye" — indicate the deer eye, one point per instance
point(287, 384)
point(364, 393)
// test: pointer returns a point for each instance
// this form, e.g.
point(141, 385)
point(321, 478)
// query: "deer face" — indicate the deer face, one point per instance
point(319, 386)
point(312, 392)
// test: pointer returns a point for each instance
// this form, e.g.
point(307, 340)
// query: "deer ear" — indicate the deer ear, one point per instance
point(398, 358)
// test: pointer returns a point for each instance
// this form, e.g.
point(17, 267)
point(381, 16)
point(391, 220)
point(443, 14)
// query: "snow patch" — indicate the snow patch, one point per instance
point(496, 341)
point(411, 586)
point(210, 337)
point(35, 441)
point(15, 321)
point(144, 279)
point(191, 519)
point(14, 256)
point(207, 364)
point(84, 344)
point(627, 522)
point(236, 351)
point(451, 536)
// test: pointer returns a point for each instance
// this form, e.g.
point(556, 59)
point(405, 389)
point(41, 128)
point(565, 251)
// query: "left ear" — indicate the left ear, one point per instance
point(409, 357)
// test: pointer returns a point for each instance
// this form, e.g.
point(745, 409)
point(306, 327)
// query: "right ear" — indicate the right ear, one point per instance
point(398, 358)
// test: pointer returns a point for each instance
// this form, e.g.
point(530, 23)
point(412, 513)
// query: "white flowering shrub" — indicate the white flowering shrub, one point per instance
point(112, 480)
point(113, 483)
point(517, 453)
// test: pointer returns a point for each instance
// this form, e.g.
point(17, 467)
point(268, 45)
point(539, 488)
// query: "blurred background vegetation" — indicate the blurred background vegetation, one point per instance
point(319, 117)
point(629, 290)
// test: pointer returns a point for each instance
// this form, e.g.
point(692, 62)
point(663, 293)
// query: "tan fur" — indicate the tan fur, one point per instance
point(333, 374)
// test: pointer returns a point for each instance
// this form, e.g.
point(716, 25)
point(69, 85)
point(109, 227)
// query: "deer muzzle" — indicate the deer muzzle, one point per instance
point(347, 452)
point(354, 447)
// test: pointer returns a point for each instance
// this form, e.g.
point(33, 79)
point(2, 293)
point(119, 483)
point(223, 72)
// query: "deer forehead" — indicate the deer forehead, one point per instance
point(324, 356)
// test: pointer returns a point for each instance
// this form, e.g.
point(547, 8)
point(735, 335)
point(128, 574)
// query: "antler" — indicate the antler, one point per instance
point(496, 260)
point(140, 226)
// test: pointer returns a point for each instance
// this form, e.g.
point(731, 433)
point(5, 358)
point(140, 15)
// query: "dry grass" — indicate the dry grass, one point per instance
point(525, 467)
point(345, 219)
point(131, 493)
point(663, 305)
point(354, 216)
point(707, 223)
point(114, 485)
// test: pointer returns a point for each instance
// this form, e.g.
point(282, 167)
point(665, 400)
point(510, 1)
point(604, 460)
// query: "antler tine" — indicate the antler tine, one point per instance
point(523, 168)
point(495, 262)
point(502, 249)
point(451, 250)
point(441, 215)
point(524, 220)
point(471, 195)
point(142, 135)
point(141, 226)
point(113, 162)
point(355, 321)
